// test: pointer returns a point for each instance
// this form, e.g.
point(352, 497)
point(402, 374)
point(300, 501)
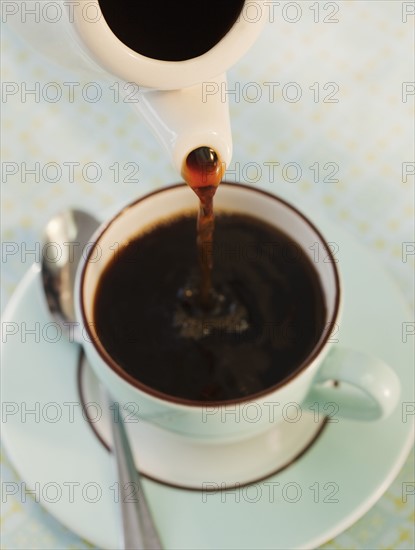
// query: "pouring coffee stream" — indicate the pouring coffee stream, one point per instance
point(203, 171)
point(200, 303)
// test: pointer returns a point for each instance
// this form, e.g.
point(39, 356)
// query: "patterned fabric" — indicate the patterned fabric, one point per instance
point(331, 102)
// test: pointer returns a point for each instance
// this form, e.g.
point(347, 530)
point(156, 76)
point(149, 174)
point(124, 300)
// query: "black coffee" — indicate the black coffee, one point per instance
point(268, 314)
point(171, 30)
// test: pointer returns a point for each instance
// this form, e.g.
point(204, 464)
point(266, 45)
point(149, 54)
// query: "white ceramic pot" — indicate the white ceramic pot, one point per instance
point(184, 102)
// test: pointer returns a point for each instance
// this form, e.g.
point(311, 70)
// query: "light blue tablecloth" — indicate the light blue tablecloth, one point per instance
point(345, 159)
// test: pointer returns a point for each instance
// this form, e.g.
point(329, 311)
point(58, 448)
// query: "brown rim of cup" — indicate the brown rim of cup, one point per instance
point(105, 356)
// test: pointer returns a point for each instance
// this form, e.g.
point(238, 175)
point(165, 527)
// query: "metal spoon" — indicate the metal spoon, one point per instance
point(65, 238)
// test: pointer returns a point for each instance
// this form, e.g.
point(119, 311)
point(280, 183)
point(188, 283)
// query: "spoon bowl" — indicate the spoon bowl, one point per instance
point(64, 241)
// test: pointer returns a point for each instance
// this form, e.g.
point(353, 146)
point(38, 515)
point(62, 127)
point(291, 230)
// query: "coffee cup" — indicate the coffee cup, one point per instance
point(360, 387)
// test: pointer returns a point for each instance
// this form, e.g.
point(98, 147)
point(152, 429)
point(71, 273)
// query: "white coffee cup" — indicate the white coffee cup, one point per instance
point(325, 376)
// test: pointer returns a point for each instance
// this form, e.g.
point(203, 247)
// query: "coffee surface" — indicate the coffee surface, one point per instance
point(171, 30)
point(269, 311)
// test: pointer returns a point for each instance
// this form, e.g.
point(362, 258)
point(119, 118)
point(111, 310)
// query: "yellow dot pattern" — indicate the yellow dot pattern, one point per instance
point(337, 124)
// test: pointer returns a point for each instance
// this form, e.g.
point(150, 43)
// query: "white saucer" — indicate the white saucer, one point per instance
point(335, 482)
point(192, 463)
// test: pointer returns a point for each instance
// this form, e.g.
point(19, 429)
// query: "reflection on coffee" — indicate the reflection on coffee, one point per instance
point(171, 30)
point(267, 314)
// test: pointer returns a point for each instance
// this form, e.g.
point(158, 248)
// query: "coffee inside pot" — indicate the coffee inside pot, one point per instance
point(171, 30)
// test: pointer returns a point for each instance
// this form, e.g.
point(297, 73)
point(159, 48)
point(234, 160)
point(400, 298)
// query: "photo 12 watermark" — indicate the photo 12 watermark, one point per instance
point(408, 491)
point(252, 11)
point(408, 251)
point(408, 90)
point(273, 171)
point(274, 11)
point(408, 331)
point(408, 171)
point(253, 412)
point(291, 492)
point(408, 411)
point(69, 172)
point(50, 12)
point(70, 492)
point(69, 92)
point(69, 412)
point(271, 92)
point(408, 12)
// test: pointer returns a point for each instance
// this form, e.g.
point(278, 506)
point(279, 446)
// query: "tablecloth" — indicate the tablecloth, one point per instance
point(333, 134)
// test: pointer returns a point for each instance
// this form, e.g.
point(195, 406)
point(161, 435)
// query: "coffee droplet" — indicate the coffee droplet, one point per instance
point(203, 168)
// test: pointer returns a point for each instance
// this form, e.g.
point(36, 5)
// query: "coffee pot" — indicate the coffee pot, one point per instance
point(181, 91)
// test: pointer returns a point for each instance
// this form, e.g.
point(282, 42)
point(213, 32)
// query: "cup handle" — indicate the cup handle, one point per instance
point(356, 385)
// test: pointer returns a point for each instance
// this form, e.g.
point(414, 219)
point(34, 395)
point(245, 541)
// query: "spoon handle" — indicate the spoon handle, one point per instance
point(138, 529)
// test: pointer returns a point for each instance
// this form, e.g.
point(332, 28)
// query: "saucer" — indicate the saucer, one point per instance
point(321, 493)
point(201, 465)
